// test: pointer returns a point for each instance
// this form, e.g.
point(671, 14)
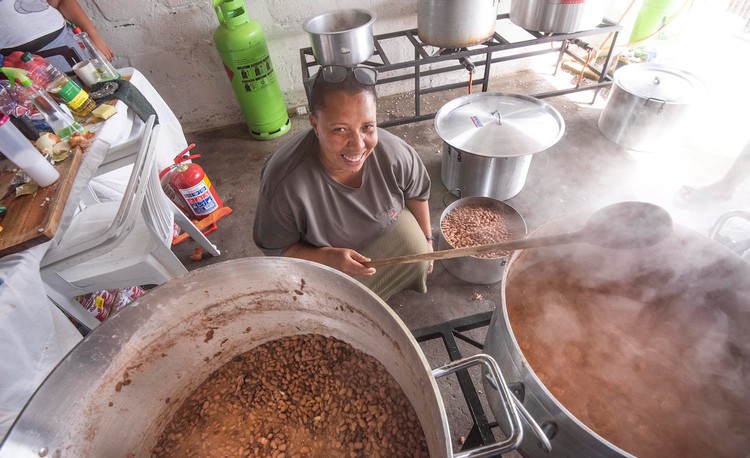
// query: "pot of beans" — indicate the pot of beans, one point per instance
point(475, 221)
point(489, 140)
point(259, 357)
point(640, 352)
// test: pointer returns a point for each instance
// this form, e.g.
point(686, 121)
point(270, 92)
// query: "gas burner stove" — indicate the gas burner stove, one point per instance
point(450, 332)
point(497, 49)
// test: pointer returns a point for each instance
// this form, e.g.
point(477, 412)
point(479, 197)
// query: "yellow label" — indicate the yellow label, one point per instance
point(78, 100)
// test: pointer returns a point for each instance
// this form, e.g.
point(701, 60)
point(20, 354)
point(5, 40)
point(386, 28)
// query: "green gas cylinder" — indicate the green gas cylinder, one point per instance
point(243, 49)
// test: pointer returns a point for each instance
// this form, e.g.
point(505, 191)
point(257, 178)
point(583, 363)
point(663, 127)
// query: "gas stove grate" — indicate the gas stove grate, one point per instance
point(496, 49)
point(450, 332)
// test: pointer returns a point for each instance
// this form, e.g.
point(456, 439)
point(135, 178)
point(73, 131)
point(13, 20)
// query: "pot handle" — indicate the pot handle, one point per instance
point(532, 424)
point(493, 371)
point(661, 108)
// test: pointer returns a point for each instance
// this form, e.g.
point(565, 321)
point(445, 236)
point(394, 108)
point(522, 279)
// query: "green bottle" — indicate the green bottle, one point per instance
point(243, 49)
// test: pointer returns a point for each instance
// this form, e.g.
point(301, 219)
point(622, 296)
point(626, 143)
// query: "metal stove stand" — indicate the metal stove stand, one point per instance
point(450, 332)
point(483, 55)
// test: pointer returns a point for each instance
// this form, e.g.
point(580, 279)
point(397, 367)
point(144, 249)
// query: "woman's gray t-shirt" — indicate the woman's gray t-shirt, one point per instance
point(299, 201)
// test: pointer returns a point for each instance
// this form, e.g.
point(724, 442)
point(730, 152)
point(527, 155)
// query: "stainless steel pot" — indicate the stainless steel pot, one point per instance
point(687, 285)
point(472, 269)
point(649, 105)
point(456, 23)
point(341, 37)
point(170, 340)
point(489, 139)
point(557, 16)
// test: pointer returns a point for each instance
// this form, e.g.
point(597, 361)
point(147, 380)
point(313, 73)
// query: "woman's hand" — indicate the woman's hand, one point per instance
point(347, 260)
point(344, 259)
point(430, 249)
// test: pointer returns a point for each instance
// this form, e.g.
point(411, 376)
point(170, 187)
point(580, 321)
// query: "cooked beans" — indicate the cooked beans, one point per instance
point(299, 396)
point(472, 225)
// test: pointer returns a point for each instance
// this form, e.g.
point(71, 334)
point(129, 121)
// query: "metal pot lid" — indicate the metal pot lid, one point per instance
point(499, 125)
point(656, 81)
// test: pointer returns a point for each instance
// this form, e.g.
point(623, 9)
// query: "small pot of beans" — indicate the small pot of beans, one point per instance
point(475, 221)
point(255, 357)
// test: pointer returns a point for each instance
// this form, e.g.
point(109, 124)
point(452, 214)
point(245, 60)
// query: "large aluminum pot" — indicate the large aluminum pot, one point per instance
point(456, 23)
point(341, 37)
point(169, 341)
point(649, 105)
point(489, 139)
point(620, 352)
point(473, 269)
point(557, 16)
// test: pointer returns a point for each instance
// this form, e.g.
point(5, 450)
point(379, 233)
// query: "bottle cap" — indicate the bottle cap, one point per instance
point(26, 56)
point(76, 29)
point(3, 118)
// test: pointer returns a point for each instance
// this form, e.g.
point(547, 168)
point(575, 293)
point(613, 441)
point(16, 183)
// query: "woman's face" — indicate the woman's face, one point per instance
point(346, 130)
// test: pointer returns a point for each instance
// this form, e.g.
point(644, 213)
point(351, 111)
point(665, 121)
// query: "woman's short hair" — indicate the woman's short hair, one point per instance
point(322, 88)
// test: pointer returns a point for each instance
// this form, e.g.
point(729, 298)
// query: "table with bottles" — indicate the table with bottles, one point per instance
point(34, 334)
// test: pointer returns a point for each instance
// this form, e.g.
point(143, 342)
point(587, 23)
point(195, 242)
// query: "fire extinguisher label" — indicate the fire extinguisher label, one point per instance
point(199, 198)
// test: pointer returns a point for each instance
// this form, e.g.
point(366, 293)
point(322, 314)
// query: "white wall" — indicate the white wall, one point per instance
point(170, 41)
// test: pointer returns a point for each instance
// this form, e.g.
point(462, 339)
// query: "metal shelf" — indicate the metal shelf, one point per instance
point(390, 71)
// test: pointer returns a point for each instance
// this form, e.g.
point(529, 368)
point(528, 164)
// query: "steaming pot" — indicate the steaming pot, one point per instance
point(649, 105)
point(557, 16)
point(489, 139)
point(169, 341)
point(456, 23)
point(619, 352)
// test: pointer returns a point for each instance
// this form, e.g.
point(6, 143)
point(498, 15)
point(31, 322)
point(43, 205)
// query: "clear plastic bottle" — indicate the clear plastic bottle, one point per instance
point(20, 152)
point(103, 67)
point(58, 120)
point(59, 85)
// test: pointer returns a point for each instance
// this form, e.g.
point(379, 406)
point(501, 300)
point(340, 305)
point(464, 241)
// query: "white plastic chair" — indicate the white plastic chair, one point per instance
point(115, 244)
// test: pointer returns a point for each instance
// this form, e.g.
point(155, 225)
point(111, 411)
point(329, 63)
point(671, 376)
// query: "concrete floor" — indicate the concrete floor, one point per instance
point(582, 172)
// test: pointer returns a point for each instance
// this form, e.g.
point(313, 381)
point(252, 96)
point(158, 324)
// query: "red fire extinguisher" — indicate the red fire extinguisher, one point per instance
point(187, 185)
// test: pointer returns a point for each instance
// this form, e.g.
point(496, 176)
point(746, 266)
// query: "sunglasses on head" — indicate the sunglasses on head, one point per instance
point(337, 73)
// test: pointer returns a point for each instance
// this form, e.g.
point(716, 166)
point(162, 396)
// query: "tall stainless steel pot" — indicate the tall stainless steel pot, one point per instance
point(169, 341)
point(456, 23)
point(686, 262)
point(649, 105)
point(557, 16)
point(489, 139)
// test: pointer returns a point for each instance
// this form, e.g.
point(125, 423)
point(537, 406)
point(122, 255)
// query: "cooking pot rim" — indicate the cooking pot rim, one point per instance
point(359, 11)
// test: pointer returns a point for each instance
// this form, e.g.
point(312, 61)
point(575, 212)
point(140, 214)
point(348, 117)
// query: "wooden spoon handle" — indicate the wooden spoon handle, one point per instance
point(479, 249)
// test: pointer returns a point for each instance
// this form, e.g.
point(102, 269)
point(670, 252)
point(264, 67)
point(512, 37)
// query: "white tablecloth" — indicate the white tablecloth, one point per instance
point(34, 333)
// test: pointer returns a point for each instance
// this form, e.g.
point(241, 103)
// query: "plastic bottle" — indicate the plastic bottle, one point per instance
point(103, 67)
point(59, 85)
point(59, 121)
point(22, 153)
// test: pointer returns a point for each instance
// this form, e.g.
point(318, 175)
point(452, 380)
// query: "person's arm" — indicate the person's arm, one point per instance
point(343, 259)
point(421, 211)
point(73, 12)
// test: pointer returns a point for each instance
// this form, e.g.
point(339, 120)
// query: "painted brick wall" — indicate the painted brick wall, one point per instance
point(170, 41)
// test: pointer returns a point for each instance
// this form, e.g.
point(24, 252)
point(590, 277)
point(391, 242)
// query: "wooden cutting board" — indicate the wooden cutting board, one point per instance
point(33, 219)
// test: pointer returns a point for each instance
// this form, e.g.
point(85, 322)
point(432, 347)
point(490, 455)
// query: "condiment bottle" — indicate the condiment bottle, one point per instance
point(103, 67)
point(59, 121)
point(59, 85)
point(22, 153)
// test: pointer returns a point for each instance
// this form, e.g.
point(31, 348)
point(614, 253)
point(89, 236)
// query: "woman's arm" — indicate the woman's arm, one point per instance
point(343, 259)
point(73, 12)
point(421, 211)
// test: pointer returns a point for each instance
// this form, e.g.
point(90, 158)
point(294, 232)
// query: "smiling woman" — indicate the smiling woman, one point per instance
point(343, 190)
